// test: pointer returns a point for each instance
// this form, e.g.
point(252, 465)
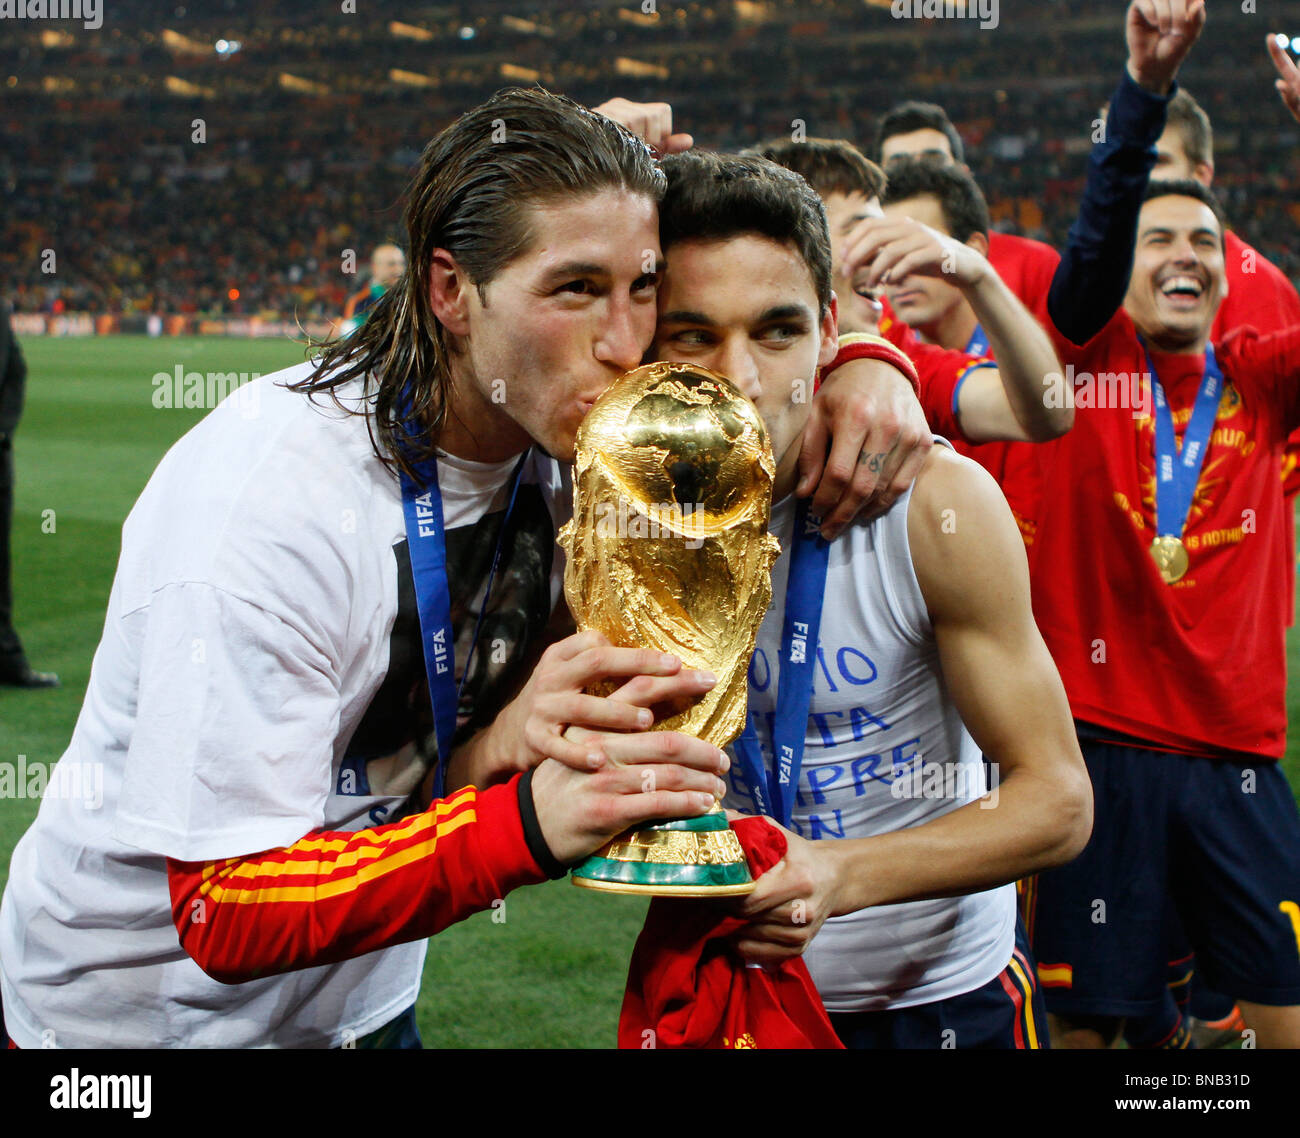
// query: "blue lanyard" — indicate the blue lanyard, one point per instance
point(426, 541)
point(979, 343)
point(774, 790)
point(1179, 469)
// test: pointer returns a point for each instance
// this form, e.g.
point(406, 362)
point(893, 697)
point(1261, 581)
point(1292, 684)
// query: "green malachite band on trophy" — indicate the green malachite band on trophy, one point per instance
point(694, 855)
point(637, 876)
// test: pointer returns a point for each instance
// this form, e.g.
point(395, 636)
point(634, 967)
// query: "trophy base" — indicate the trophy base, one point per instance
point(697, 857)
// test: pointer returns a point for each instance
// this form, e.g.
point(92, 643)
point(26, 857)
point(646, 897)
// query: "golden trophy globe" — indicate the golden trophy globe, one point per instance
point(668, 549)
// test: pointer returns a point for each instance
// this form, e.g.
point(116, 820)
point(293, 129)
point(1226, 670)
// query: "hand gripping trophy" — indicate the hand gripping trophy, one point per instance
point(668, 549)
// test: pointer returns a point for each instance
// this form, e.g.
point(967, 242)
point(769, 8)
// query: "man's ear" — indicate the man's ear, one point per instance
point(449, 290)
point(980, 243)
point(1203, 172)
point(830, 333)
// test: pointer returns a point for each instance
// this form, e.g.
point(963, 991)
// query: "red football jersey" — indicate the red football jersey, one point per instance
point(939, 373)
point(1026, 266)
point(1261, 297)
point(1199, 665)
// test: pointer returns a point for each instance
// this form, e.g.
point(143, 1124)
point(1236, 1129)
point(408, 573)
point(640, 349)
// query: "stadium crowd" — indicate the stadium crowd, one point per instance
point(257, 216)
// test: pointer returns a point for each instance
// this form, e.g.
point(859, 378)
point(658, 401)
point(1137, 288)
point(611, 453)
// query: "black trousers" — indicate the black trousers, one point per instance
point(11, 648)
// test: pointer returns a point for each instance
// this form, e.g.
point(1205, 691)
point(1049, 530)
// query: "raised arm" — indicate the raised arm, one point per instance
point(1288, 77)
point(1006, 402)
point(1092, 279)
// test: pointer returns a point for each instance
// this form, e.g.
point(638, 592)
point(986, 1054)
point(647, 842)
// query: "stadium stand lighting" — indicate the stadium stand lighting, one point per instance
point(519, 74)
point(411, 78)
point(639, 69)
point(528, 27)
point(411, 32)
point(639, 18)
point(179, 44)
point(302, 86)
point(183, 87)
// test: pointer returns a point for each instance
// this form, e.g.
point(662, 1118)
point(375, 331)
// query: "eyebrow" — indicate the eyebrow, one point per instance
point(1165, 231)
point(589, 269)
point(771, 316)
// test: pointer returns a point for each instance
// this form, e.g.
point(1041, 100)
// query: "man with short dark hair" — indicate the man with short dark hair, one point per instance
point(1180, 501)
point(908, 925)
point(924, 131)
point(918, 130)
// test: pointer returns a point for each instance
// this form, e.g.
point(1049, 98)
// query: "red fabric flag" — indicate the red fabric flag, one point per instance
point(688, 988)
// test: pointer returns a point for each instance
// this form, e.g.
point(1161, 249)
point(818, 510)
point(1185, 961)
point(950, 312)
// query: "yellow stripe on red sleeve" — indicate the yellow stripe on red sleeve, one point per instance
point(335, 895)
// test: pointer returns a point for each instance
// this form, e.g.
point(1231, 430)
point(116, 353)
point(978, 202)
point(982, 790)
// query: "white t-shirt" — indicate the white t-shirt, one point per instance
point(879, 711)
point(259, 676)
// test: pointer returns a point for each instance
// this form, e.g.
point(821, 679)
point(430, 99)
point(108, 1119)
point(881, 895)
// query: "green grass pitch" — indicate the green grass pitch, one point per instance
point(550, 974)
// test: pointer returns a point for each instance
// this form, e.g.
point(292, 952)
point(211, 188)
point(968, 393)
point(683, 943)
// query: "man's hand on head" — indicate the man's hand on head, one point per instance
point(891, 249)
point(650, 122)
point(1160, 34)
point(864, 444)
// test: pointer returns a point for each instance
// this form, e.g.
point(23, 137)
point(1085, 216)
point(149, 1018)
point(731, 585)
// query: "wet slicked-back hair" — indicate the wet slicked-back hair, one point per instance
point(913, 116)
point(472, 195)
point(715, 197)
point(965, 211)
point(829, 165)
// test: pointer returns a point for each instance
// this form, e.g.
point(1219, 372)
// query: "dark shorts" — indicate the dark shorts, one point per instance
point(396, 1035)
point(1004, 1014)
point(1215, 842)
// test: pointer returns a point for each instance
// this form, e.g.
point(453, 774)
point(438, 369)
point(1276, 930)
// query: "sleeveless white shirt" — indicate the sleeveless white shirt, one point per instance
point(885, 750)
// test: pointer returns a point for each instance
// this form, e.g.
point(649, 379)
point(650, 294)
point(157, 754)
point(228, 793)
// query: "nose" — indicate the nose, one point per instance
point(625, 334)
point(736, 362)
point(1185, 253)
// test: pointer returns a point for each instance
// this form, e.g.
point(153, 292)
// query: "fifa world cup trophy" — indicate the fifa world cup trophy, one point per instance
point(668, 549)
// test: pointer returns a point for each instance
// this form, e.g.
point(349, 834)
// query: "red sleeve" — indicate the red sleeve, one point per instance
point(1269, 365)
point(940, 373)
point(335, 895)
point(1027, 267)
point(1259, 294)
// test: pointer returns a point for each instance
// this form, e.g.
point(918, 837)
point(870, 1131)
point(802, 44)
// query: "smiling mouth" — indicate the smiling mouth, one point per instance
point(1181, 290)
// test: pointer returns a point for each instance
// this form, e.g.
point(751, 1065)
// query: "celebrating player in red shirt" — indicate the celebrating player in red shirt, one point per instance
point(1160, 587)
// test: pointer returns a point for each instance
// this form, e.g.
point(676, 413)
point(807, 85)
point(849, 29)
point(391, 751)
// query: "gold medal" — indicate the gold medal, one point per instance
point(1170, 556)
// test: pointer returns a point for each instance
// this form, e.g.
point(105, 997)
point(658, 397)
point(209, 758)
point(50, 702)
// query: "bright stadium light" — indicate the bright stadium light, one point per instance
point(1282, 41)
point(467, 33)
point(222, 47)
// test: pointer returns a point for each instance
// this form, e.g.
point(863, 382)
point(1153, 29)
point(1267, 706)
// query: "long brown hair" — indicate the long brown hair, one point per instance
point(470, 196)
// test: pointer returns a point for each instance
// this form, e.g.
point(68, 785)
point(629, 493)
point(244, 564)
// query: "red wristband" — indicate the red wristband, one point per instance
point(862, 347)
